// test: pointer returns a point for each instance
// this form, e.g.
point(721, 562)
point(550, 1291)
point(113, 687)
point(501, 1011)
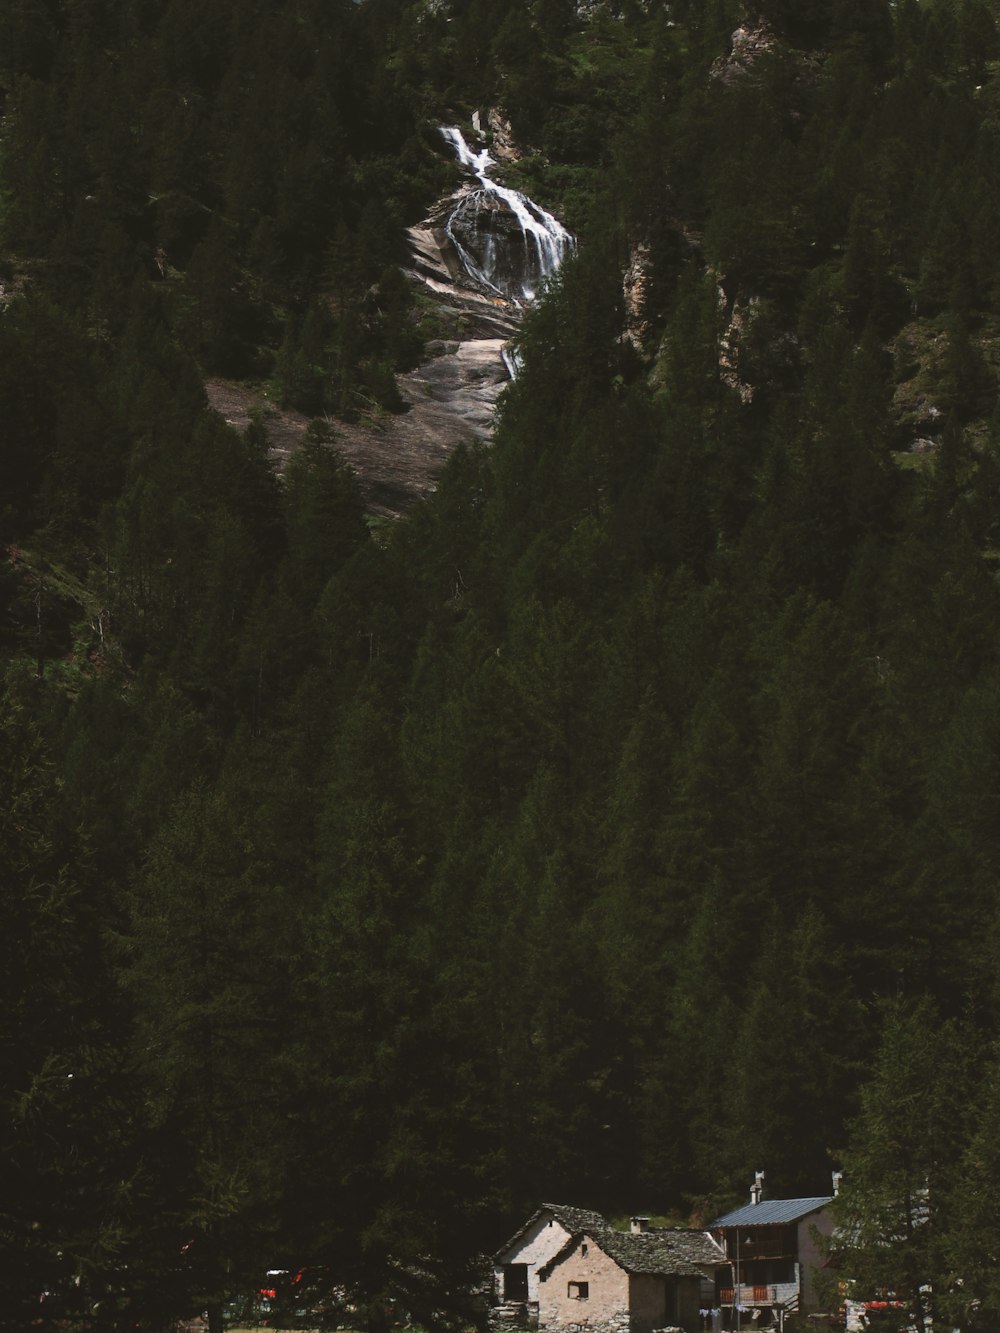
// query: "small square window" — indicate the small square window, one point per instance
point(578, 1291)
point(583, 1249)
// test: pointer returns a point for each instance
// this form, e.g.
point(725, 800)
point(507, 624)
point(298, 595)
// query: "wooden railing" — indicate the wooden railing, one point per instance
point(747, 1294)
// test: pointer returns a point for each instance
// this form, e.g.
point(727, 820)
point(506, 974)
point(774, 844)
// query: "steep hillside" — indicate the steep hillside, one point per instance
point(620, 821)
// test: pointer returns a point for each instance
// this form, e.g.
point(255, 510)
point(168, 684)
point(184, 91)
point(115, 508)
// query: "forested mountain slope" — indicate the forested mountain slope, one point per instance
point(621, 821)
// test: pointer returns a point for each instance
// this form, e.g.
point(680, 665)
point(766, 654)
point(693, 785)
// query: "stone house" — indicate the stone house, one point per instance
point(600, 1280)
point(775, 1249)
point(628, 1281)
point(516, 1265)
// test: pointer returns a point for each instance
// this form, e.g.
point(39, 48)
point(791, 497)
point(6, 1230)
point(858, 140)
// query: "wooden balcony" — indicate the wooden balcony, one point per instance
point(748, 1294)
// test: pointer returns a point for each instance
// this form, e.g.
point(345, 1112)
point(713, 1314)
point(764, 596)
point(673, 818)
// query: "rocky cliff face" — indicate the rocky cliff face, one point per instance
point(479, 258)
point(505, 243)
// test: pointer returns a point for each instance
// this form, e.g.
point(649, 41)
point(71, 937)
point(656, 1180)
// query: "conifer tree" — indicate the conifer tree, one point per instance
point(904, 1152)
point(973, 1299)
point(66, 1118)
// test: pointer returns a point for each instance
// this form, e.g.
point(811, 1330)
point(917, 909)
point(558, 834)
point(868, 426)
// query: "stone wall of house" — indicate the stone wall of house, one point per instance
point(688, 1303)
point(512, 1316)
point(648, 1298)
point(786, 1293)
point(658, 1303)
point(536, 1247)
point(811, 1257)
point(606, 1306)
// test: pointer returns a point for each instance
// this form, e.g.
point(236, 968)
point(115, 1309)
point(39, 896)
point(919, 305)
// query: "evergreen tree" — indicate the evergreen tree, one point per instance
point(904, 1152)
point(214, 1043)
point(67, 1119)
point(972, 1300)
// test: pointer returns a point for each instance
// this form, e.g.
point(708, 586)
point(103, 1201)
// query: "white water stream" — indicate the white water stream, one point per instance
point(546, 242)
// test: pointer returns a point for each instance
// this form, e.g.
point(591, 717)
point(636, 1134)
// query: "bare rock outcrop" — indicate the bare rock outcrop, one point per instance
point(503, 146)
point(450, 400)
point(747, 45)
point(473, 248)
point(635, 286)
point(752, 45)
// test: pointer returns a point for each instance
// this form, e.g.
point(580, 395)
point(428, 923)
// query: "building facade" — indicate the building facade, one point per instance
point(515, 1267)
point(603, 1280)
point(775, 1249)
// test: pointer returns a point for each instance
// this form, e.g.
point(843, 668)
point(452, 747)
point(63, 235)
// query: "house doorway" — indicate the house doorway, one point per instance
point(515, 1282)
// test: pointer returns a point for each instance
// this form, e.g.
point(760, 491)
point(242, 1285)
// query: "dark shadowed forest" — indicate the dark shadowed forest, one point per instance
point(623, 819)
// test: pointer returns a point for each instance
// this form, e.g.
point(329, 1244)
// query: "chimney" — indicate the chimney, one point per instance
point(638, 1225)
point(838, 1177)
point(757, 1189)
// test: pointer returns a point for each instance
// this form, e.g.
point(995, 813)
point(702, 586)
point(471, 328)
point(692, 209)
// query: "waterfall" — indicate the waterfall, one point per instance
point(505, 241)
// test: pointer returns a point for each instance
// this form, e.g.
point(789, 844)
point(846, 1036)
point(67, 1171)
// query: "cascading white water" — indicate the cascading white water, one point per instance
point(544, 241)
point(511, 358)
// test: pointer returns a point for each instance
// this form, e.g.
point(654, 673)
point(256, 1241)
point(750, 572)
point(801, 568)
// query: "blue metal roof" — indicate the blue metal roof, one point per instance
point(770, 1211)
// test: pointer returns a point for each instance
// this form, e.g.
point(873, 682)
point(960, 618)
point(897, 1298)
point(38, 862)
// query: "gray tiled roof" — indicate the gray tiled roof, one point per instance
point(571, 1219)
point(574, 1219)
point(667, 1252)
point(662, 1251)
point(771, 1211)
point(697, 1246)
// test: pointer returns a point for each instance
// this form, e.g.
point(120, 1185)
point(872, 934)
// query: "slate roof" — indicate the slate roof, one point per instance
point(771, 1211)
point(661, 1251)
point(572, 1219)
point(575, 1219)
point(697, 1246)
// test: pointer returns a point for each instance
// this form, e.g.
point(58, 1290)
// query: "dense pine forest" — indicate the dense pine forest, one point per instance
point(623, 819)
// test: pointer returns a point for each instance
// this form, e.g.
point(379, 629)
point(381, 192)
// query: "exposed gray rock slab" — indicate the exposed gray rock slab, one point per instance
point(451, 400)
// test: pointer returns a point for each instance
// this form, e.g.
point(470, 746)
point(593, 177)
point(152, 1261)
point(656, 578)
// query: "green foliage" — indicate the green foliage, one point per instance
point(973, 1302)
point(66, 1114)
point(324, 513)
point(894, 1209)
